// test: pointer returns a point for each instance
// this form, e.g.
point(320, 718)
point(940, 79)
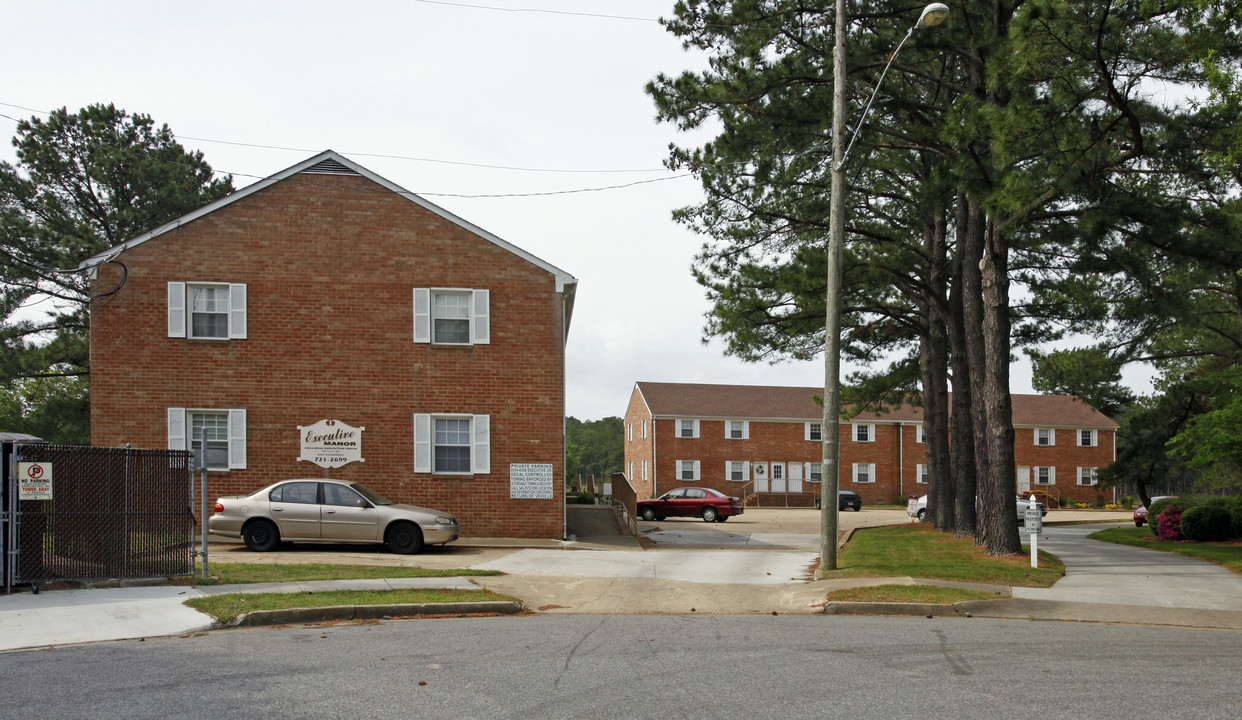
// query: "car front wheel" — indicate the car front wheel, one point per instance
point(710, 514)
point(922, 514)
point(404, 538)
point(261, 536)
point(647, 514)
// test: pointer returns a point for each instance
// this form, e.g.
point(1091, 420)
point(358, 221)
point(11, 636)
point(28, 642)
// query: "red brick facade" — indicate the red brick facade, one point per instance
point(331, 257)
point(881, 462)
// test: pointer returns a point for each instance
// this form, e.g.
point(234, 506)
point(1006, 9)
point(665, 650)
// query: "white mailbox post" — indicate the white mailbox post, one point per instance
point(1034, 523)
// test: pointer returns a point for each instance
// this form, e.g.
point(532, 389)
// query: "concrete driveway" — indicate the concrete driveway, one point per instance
point(759, 529)
point(1102, 572)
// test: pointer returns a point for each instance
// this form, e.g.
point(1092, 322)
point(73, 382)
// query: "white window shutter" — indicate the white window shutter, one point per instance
point(1036, 436)
point(1052, 436)
point(237, 311)
point(695, 432)
point(745, 429)
point(696, 468)
point(1052, 475)
point(176, 428)
point(806, 431)
point(482, 445)
point(728, 470)
point(176, 313)
point(422, 326)
point(480, 318)
point(237, 439)
point(422, 443)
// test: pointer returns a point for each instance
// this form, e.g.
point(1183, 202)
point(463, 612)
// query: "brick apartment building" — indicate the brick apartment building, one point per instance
point(764, 443)
point(327, 294)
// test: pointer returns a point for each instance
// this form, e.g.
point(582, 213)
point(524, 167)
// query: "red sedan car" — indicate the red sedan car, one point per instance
point(706, 503)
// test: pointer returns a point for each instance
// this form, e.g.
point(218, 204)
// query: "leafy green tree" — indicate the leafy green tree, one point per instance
point(46, 407)
point(595, 447)
point(83, 182)
point(1027, 123)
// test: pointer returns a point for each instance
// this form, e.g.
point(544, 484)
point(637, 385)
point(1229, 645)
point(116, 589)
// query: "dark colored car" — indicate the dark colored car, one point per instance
point(846, 500)
point(706, 503)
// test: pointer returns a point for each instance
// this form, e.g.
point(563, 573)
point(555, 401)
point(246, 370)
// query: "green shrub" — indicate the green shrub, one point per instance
point(1233, 506)
point(1167, 521)
point(1206, 523)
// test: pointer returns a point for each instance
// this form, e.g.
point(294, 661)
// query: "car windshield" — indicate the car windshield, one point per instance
point(369, 494)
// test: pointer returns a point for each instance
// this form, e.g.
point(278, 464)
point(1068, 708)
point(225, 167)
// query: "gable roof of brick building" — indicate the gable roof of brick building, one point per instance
point(764, 402)
point(329, 162)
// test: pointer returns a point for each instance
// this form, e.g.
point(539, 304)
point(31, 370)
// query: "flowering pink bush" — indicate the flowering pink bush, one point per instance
point(1169, 524)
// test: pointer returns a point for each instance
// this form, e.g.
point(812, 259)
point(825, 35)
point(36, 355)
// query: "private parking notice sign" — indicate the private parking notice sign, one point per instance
point(34, 481)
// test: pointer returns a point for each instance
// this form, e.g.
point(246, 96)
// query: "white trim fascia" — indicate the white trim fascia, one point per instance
point(564, 281)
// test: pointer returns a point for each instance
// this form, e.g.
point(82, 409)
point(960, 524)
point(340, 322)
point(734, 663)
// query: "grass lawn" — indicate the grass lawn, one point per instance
point(225, 608)
point(908, 594)
point(229, 573)
point(922, 552)
point(1229, 555)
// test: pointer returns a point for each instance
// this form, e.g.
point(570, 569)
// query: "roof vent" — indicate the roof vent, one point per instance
point(329, 167)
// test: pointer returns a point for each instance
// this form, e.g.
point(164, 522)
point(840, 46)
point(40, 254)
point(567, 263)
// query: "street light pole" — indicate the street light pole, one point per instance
point(830, 478)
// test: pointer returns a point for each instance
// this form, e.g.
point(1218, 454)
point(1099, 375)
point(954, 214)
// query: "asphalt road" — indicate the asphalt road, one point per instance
point(641, 667)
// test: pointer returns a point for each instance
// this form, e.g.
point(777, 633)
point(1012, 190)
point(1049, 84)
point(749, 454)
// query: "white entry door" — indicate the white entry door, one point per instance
point(778, 477)
point(761, 476)
point(795, 477)
point(1024, 479)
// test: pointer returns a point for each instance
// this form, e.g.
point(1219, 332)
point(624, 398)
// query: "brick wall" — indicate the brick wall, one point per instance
point(330, 263)
point(895, 452)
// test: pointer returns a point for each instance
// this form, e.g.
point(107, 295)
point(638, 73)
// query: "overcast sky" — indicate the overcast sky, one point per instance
point(527, 99)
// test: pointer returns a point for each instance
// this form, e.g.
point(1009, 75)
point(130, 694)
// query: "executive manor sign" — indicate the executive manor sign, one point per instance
point(331, 443)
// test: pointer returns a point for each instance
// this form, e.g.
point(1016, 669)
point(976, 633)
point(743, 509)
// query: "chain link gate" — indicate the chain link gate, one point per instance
point(114, 513)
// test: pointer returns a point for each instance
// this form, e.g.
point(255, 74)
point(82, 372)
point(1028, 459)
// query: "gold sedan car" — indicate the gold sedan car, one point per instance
point(328, 511)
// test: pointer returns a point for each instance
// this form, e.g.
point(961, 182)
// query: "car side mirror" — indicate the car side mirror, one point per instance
point(364, 504)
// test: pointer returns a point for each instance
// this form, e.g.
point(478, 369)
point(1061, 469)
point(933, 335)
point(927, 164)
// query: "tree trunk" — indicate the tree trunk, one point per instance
point(997, 491)
point(970, 247)
point(933, 364)
point(962, 430)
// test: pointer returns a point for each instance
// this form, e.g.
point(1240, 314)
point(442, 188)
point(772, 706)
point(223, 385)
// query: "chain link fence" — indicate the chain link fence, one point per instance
point(113, 513)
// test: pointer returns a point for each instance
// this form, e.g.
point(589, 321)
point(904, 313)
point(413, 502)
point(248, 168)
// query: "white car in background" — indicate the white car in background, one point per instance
point(919, 508)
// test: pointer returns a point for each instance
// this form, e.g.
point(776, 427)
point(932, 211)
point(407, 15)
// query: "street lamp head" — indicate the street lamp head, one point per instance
point(933, 15)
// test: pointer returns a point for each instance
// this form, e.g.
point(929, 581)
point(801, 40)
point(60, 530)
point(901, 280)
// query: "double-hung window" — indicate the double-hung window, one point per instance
point(452, 444)
point(1045, 437)
point(223, 431)
point(920, 474)
point(1086, 476)
point(1045, 475)
point(864, 472)
point(1087, 438)
point(737, 429)
point(864, 432)
point(688, 470)
point(736, 470)
point(815, 472)
point(687, 428)
point(918, 433)
point(459, 316)
point(207, 311)
point(814, 431)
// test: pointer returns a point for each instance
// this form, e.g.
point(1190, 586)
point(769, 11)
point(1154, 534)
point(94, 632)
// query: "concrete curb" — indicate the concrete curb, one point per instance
point(1022, 609)
point(293, 616)
point(883, 608)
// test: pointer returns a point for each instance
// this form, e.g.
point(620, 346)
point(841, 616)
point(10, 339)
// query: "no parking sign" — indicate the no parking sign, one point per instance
point(34, 481)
